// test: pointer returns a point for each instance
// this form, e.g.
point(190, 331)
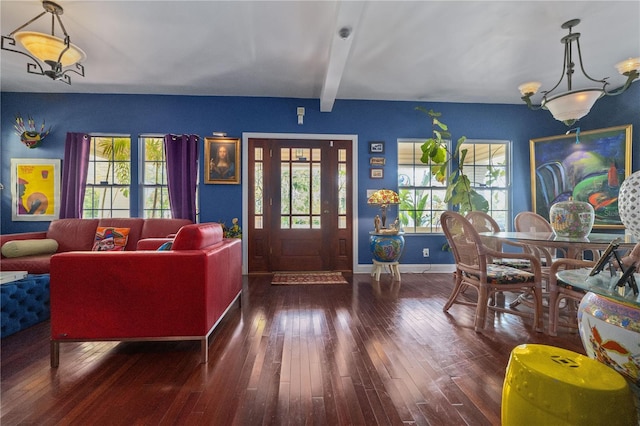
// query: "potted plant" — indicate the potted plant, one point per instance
point(436, 151)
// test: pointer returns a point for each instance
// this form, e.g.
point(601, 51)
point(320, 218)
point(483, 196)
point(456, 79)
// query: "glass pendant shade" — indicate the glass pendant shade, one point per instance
point(571, 106)
point(47, 48)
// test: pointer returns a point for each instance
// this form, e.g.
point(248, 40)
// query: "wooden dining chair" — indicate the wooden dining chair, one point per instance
point(476, 268)
point(559, 291)
point(534, 222)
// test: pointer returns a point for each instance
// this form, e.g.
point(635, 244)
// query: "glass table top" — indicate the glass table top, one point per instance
point(603, 284)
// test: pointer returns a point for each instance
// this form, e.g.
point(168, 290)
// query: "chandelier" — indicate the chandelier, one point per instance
point(47, 50)
point(572, 105)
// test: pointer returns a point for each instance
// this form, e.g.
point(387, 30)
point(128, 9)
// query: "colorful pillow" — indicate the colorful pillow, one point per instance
point(110, 239)
point(20, 248)
point(165, 246)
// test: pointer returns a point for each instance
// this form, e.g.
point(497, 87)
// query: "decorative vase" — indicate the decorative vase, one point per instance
point(386, 247)
point(629, 204)
point(610, 332)
point(572, 219)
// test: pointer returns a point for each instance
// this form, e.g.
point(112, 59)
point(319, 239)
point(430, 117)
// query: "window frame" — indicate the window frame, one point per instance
point(95, 187)
point(163, 187)
point(433, 225)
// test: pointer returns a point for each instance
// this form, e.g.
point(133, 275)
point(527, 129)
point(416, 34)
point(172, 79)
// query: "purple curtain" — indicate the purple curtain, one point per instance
point(74, 174)
point(182, 174)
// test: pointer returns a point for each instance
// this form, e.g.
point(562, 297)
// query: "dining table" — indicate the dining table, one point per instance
point(572, 247)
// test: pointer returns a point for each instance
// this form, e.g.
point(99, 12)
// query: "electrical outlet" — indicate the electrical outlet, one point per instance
point(425, 252)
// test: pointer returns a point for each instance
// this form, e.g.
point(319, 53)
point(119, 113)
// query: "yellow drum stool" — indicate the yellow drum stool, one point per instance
point(548, 385)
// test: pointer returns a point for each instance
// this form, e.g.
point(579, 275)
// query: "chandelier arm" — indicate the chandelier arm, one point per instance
point(64, 30)
point(567, 58)
point(527, 99)
point(603, 81)
point(79, 71)
point(67, 44)
point(631, 76)
point(31, 66)
point(24, 25)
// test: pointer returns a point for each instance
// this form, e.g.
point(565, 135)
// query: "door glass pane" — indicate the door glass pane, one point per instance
point(258, 194)
point(300, 197)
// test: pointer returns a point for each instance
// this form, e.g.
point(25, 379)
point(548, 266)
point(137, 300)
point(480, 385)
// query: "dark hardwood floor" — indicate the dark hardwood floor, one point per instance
point(357, 354)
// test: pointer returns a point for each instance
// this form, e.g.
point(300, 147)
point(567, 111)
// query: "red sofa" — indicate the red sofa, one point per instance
point(79, 234)
point(179, 294)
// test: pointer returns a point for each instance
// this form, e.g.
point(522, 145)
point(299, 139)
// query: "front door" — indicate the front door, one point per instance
point(299, 205)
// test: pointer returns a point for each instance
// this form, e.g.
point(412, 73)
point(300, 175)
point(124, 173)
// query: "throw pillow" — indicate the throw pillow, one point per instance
point(110, 239)
point(20, 248)
point(165, 246)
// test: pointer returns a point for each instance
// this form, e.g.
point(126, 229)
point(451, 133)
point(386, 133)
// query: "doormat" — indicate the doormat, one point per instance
point(292, 278)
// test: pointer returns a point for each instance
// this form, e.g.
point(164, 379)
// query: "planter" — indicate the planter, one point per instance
point(610, 333)
point(386, 247)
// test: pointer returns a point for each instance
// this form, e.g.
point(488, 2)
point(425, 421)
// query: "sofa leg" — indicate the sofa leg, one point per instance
point(204, 350)
point(55, 353)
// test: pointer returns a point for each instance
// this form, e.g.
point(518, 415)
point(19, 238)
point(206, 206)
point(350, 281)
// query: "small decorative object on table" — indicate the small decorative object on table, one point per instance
point(572, 219)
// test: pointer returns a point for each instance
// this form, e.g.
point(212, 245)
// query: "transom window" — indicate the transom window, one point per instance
point(422, 196)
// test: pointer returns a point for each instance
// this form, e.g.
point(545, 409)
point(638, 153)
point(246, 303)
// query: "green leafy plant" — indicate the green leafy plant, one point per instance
point(435, 151)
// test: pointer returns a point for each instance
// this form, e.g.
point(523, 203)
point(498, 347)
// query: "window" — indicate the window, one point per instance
point(487, 165)
point(109, 177)
point(155, 192)
point(108, 190)
point(422, 196)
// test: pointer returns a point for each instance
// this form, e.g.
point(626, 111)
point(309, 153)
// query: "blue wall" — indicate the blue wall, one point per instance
point(370, 120)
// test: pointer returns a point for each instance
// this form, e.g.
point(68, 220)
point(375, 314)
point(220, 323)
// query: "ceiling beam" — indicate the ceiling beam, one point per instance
point(347, 21)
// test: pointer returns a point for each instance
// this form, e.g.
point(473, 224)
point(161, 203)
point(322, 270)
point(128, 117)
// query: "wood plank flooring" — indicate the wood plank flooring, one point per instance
point(357, 354)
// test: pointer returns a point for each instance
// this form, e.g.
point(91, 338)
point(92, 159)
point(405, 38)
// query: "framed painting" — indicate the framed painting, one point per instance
point(376, 147)
point(586, 166)
point(222, 160)
point(376, 173)
point(35, 189)
point(377, 161)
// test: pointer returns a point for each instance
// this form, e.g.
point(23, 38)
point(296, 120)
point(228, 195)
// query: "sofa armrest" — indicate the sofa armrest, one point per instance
point(98, 295)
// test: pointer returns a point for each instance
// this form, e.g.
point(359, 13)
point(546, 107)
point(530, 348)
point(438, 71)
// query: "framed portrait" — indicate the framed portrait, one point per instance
point(377, 161)
point(376, 173)
point(222, 160)
point(587, 166)
point(376, 147)
point(35, 189)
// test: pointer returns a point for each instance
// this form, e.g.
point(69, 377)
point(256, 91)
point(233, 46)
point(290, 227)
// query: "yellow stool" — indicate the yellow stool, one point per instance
point(545, 385)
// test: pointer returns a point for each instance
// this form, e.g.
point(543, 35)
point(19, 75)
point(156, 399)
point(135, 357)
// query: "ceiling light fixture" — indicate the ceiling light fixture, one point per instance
point(53, 51)
point(572, 105)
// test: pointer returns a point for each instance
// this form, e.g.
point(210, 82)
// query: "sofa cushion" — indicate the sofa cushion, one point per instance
point(37, 264)
point(110, 239)
point(29, 247)
point(133, 223)
point(197, 236)
point(73, 234)
point(162, 228)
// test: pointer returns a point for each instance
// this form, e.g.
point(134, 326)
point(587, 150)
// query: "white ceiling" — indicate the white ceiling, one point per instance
point(452, 51)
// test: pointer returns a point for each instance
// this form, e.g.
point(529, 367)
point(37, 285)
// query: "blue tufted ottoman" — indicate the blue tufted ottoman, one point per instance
point(23, 303)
